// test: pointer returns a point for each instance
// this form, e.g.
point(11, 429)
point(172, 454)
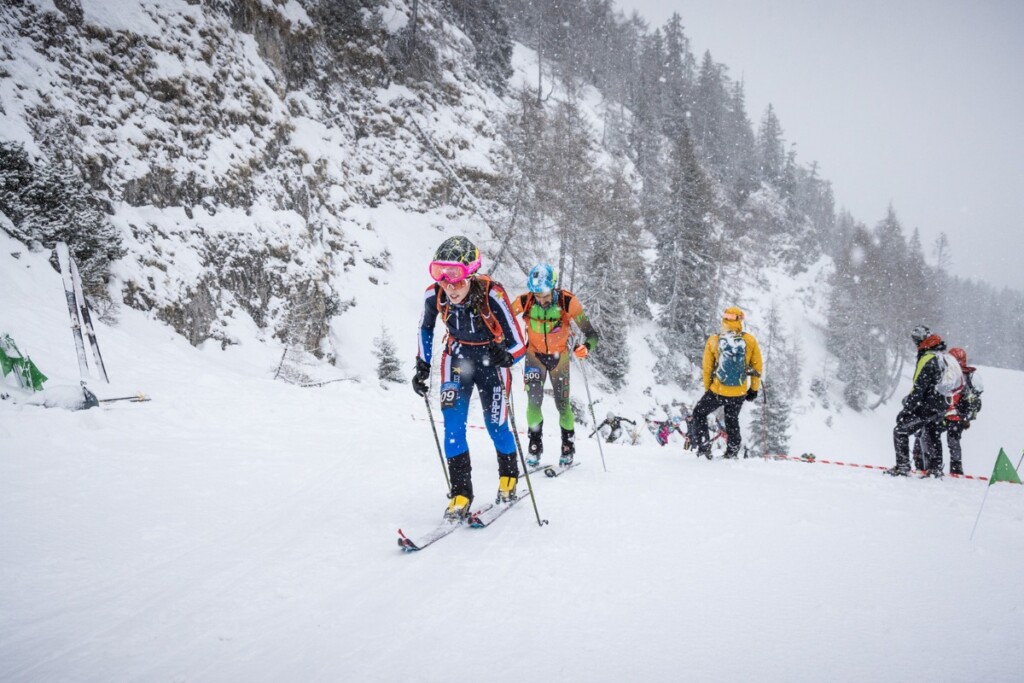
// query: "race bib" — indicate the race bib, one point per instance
point(449, 393)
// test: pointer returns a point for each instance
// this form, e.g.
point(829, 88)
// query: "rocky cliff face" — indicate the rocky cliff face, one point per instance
point(232, 139)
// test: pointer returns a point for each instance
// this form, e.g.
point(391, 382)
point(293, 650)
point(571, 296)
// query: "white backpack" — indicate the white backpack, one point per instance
point(952, 378)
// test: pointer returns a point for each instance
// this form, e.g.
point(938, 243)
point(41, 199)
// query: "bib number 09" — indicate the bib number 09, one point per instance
point(449, 392)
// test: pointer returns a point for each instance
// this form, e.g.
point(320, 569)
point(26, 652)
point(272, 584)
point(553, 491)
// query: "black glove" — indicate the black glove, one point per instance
point(500, 357)
point(751, 394)
point(419, 380)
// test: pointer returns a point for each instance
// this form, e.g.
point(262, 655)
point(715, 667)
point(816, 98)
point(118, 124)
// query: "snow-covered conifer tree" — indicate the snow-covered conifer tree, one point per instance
point(771, 416)
point(389, 368)
point(616, 272)
point(771, 149)
point(48, 203)
point(685, 268)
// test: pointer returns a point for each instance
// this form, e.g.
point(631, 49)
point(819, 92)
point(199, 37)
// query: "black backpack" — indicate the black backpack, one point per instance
point(969, 404)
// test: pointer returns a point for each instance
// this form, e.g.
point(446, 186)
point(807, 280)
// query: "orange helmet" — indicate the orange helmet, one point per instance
point(960, 355)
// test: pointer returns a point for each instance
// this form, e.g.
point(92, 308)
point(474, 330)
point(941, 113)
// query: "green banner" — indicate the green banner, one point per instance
point(11, 360)
point(33, 375)
point(1004, 470)
point(6, 362)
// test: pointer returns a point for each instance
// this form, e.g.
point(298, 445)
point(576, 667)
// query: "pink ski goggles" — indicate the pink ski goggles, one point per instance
point(453, 272)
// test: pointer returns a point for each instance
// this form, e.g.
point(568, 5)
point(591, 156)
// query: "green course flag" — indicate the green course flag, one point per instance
point(6, 362)
point(26, 372)
point(1004, 470)
point(31, 374)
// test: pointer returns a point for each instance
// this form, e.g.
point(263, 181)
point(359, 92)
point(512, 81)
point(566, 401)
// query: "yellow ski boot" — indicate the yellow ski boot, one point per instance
point(458, 509)
point(506, 490)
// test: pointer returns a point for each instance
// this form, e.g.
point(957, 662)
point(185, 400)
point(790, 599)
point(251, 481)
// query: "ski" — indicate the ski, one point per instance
point(533, 469)
point(409, 545)
point(64, 260)
point(485, 516)
point(478, 519)
point(90, 334)
point(558, 470)
point(488, 514)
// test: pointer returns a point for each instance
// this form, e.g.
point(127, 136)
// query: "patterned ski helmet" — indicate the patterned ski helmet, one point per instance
point(920, 333)
point(459, 250)
point(543, 279)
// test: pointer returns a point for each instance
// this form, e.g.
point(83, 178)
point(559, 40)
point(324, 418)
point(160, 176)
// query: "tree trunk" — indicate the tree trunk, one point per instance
point(412, 32)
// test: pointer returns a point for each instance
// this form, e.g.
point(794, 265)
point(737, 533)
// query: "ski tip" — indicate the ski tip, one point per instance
point(405, 543)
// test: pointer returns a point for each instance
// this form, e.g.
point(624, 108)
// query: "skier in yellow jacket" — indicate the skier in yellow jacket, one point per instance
point(732, 374)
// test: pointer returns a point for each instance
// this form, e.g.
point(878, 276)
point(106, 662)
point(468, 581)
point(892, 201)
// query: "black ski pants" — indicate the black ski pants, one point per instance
point(954, 430)
point(909, 421)
point(709, 403)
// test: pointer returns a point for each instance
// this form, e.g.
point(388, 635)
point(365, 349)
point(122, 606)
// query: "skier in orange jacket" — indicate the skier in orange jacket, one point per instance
point(548, 312)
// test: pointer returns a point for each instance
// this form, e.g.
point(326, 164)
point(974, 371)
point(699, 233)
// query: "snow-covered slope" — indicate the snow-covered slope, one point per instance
point(235, 528)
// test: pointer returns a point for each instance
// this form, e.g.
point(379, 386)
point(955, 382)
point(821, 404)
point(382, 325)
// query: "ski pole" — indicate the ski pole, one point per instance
point(764, 421)
point(137, 398)
point(593, 417)
point(440, 453)
point(519, 449)
point(978, 518)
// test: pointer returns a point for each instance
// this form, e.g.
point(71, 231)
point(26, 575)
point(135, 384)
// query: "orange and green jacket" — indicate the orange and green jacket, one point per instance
point(547, 329)
point(752, 360)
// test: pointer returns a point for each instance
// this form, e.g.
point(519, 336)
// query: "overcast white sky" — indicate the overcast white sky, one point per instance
point(917, 102)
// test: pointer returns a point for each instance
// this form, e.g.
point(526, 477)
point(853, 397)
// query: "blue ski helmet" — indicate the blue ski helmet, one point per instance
point(542, 280)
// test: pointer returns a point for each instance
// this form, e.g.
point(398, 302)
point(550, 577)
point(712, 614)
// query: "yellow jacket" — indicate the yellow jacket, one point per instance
point(752, 364)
